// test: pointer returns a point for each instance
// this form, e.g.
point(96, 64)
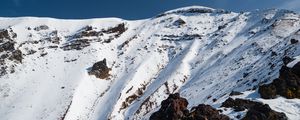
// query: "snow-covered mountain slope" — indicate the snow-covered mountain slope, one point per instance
point(200, 52)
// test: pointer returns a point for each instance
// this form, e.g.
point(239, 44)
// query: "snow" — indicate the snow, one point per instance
point(229, 51)
point(288, 106)
point(294, 62)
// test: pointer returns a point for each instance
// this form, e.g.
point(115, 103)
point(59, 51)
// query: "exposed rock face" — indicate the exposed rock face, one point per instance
point(263, 112)
point(100, 70)
point(179, 22)
point(17, 55)
point(175, 108)
point(256, 110)
point(238, 104)
point(8, 51)
point(41, 27)
point(183, 37)
point(89, 35)
point(233, 93)
point(287, 85)
point(206, 112)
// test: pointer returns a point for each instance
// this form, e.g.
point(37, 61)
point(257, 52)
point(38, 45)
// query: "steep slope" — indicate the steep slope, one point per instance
point(200, 52)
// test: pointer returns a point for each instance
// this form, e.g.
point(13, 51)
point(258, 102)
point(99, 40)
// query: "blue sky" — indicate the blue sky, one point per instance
point(127, 9)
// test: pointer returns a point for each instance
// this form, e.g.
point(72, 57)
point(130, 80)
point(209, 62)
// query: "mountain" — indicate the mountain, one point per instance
point(109, 68)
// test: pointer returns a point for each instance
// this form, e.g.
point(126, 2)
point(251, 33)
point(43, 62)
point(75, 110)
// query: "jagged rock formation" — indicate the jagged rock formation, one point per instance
point(8, 51)
point(175, 108)
point(256, 110)
point(287, 85)
point(100, 69)
point(205, 112)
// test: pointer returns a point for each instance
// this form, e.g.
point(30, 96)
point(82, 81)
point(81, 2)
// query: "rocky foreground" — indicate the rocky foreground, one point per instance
point(287, 85)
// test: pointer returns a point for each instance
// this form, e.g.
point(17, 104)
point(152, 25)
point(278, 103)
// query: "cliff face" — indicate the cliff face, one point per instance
point(53, 69)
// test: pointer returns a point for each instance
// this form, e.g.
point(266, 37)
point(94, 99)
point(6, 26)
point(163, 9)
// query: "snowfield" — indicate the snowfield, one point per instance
point(200, 52)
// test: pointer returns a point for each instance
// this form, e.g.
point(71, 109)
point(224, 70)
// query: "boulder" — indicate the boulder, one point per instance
point(263, 112)
point(206, 112)
point(100, 70)
point(233, 93)
point(287, 85)
point(179, 22)
point(256, 110)
point(294, 41)
point(175, 108)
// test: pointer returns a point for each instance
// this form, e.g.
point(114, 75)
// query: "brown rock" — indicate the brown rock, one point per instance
point(173, 108)
point(256, 110)
point(263, 112)
point(287, 85)
point(100, 70)
point(206, 112)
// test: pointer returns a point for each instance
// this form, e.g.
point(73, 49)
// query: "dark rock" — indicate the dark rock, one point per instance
point(77, 44)
point(100, 70)
point(233, 93)
point(267, 91)
point(44, 54)
point(17, 55)
point(88, 28)
point(179, 22)
point(263, 112)
point(296, 69)
point(294, 41)
point(287, 85)
point(190, 11)
point(238, 104)
point(41, 27)
point(175, 108)
point(206, 112)
point(7, 46)
point(222, 26)
point(4, 34)
point(119, 29)
point(182, 37)
point(88, 35)
point(256, 110)
point(273, 53)
point(287, 60)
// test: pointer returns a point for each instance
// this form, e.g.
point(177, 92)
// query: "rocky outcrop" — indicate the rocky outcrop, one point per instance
point(88, 35)
point(16, 55)
point(256, 110)
point(100, 70)
point(41, 27)
point(8, 51)
point(238, 104)
point(263, 112)
point(181, 37)
point(175, 108)
point(233, 93)
point(294, 41)
point(287, 85)
point(205, 112)
point(179, 22)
